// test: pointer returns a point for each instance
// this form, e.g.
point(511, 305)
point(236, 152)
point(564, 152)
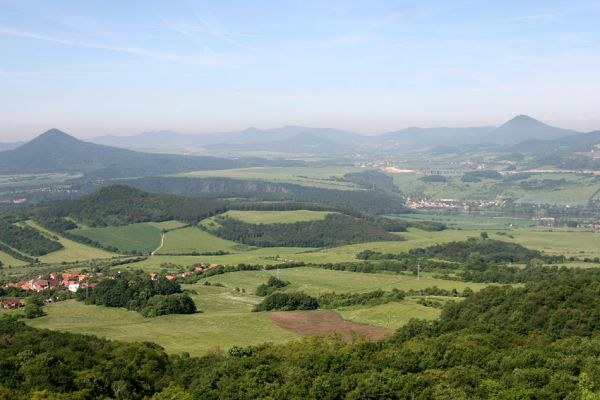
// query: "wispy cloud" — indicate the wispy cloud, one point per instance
point(533, 17)
point(207, 59)
point(193, 31)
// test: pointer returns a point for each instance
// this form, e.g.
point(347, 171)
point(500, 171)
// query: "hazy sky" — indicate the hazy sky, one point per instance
point(122, 67)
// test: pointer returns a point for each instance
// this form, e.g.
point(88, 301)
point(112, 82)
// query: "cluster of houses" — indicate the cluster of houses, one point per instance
point(73, 282)
point(201, 266)
point(70, 281)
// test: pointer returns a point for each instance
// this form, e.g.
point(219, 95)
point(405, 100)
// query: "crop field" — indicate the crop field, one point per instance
point(273, 217)
point(324, 177)
point(193, 239)
point(143, 237)
point(226, 318)
point(73, 251)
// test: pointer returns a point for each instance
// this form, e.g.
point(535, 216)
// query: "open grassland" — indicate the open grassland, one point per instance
point(9, 260)
point(323, 177)
point(274, 217)
point(72, 251)
point(315, 281)
point(540, 188)
point(226, 320)
point(570, 243)
point(390, 315)
point(470, 222)
point(557, 241)
point(24, 180)
point(143, 237)
point(193, 239)
point(571, 196)
point(168, 225)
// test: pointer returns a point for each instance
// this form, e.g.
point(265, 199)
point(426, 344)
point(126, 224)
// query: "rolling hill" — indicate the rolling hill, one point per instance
point(521, 128)
point(305, 140)
point(9, 146)
point(56, 151)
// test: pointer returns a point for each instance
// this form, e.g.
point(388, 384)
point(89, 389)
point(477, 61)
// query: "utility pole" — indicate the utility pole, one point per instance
point(418, 271)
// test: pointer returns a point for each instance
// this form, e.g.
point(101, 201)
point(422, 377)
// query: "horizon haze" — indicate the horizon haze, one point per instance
point(120, 69)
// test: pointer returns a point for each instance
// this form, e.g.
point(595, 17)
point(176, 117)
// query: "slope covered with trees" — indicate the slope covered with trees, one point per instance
point(540, 341)
point(122, 205)
point(335, 229)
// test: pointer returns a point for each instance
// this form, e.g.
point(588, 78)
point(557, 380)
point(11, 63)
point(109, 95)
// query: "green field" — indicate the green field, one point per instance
point(9, 260)
point(571, 189)
point(193, 239)
point(324, 177)
point(226, 320)
point(390, 315)
point(143, 237)
point(168, 225)
point(316, 281)
point(273, 217)
point(226, 317)
point(73, 251)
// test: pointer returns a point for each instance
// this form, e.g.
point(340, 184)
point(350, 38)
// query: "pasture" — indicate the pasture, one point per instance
point(226, 318)
point(194, 240)
point(72, 251)
point(142, 237)
point(315, 281)
point(8, 260)
point(274, 217)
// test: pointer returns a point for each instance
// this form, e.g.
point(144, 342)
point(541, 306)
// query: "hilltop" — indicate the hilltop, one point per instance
point(56, 151)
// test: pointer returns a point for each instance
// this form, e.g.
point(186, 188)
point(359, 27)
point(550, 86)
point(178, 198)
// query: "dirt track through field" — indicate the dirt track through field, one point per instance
point(323, 323)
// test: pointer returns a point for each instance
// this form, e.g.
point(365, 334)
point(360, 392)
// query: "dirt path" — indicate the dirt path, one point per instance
point(162, 241)
point(323, 323)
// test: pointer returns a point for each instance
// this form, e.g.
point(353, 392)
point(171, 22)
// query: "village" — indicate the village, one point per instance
point(73, 282)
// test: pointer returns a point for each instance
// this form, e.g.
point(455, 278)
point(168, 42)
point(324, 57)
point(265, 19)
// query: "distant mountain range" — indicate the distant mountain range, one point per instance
point(9, 146)
point(303, 140)
point(520, 134)
point(56, 151)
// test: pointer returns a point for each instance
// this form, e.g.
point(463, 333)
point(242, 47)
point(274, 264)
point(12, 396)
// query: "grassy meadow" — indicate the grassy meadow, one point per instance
point(72, 251)
point(142, 237)
point(275, 217)
point(226, 318)
point(323, 177)
point(193, 239)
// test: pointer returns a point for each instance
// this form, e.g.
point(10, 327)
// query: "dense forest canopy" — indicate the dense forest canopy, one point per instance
point(25, 239)
point(121, 205)
point(366, 201)
point(335, 229)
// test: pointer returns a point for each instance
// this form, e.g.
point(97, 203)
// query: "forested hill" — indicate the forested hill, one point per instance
point(366, 201)
point(540, 341)
point(56, 151)
point(121, 205)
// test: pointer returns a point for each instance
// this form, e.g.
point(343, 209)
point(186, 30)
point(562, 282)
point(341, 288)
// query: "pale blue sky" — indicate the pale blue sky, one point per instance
point(122, 67)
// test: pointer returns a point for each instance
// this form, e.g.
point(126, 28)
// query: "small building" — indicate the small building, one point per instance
point(11, 304)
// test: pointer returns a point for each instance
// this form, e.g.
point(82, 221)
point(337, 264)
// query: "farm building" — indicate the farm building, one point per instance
point(11, 304)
